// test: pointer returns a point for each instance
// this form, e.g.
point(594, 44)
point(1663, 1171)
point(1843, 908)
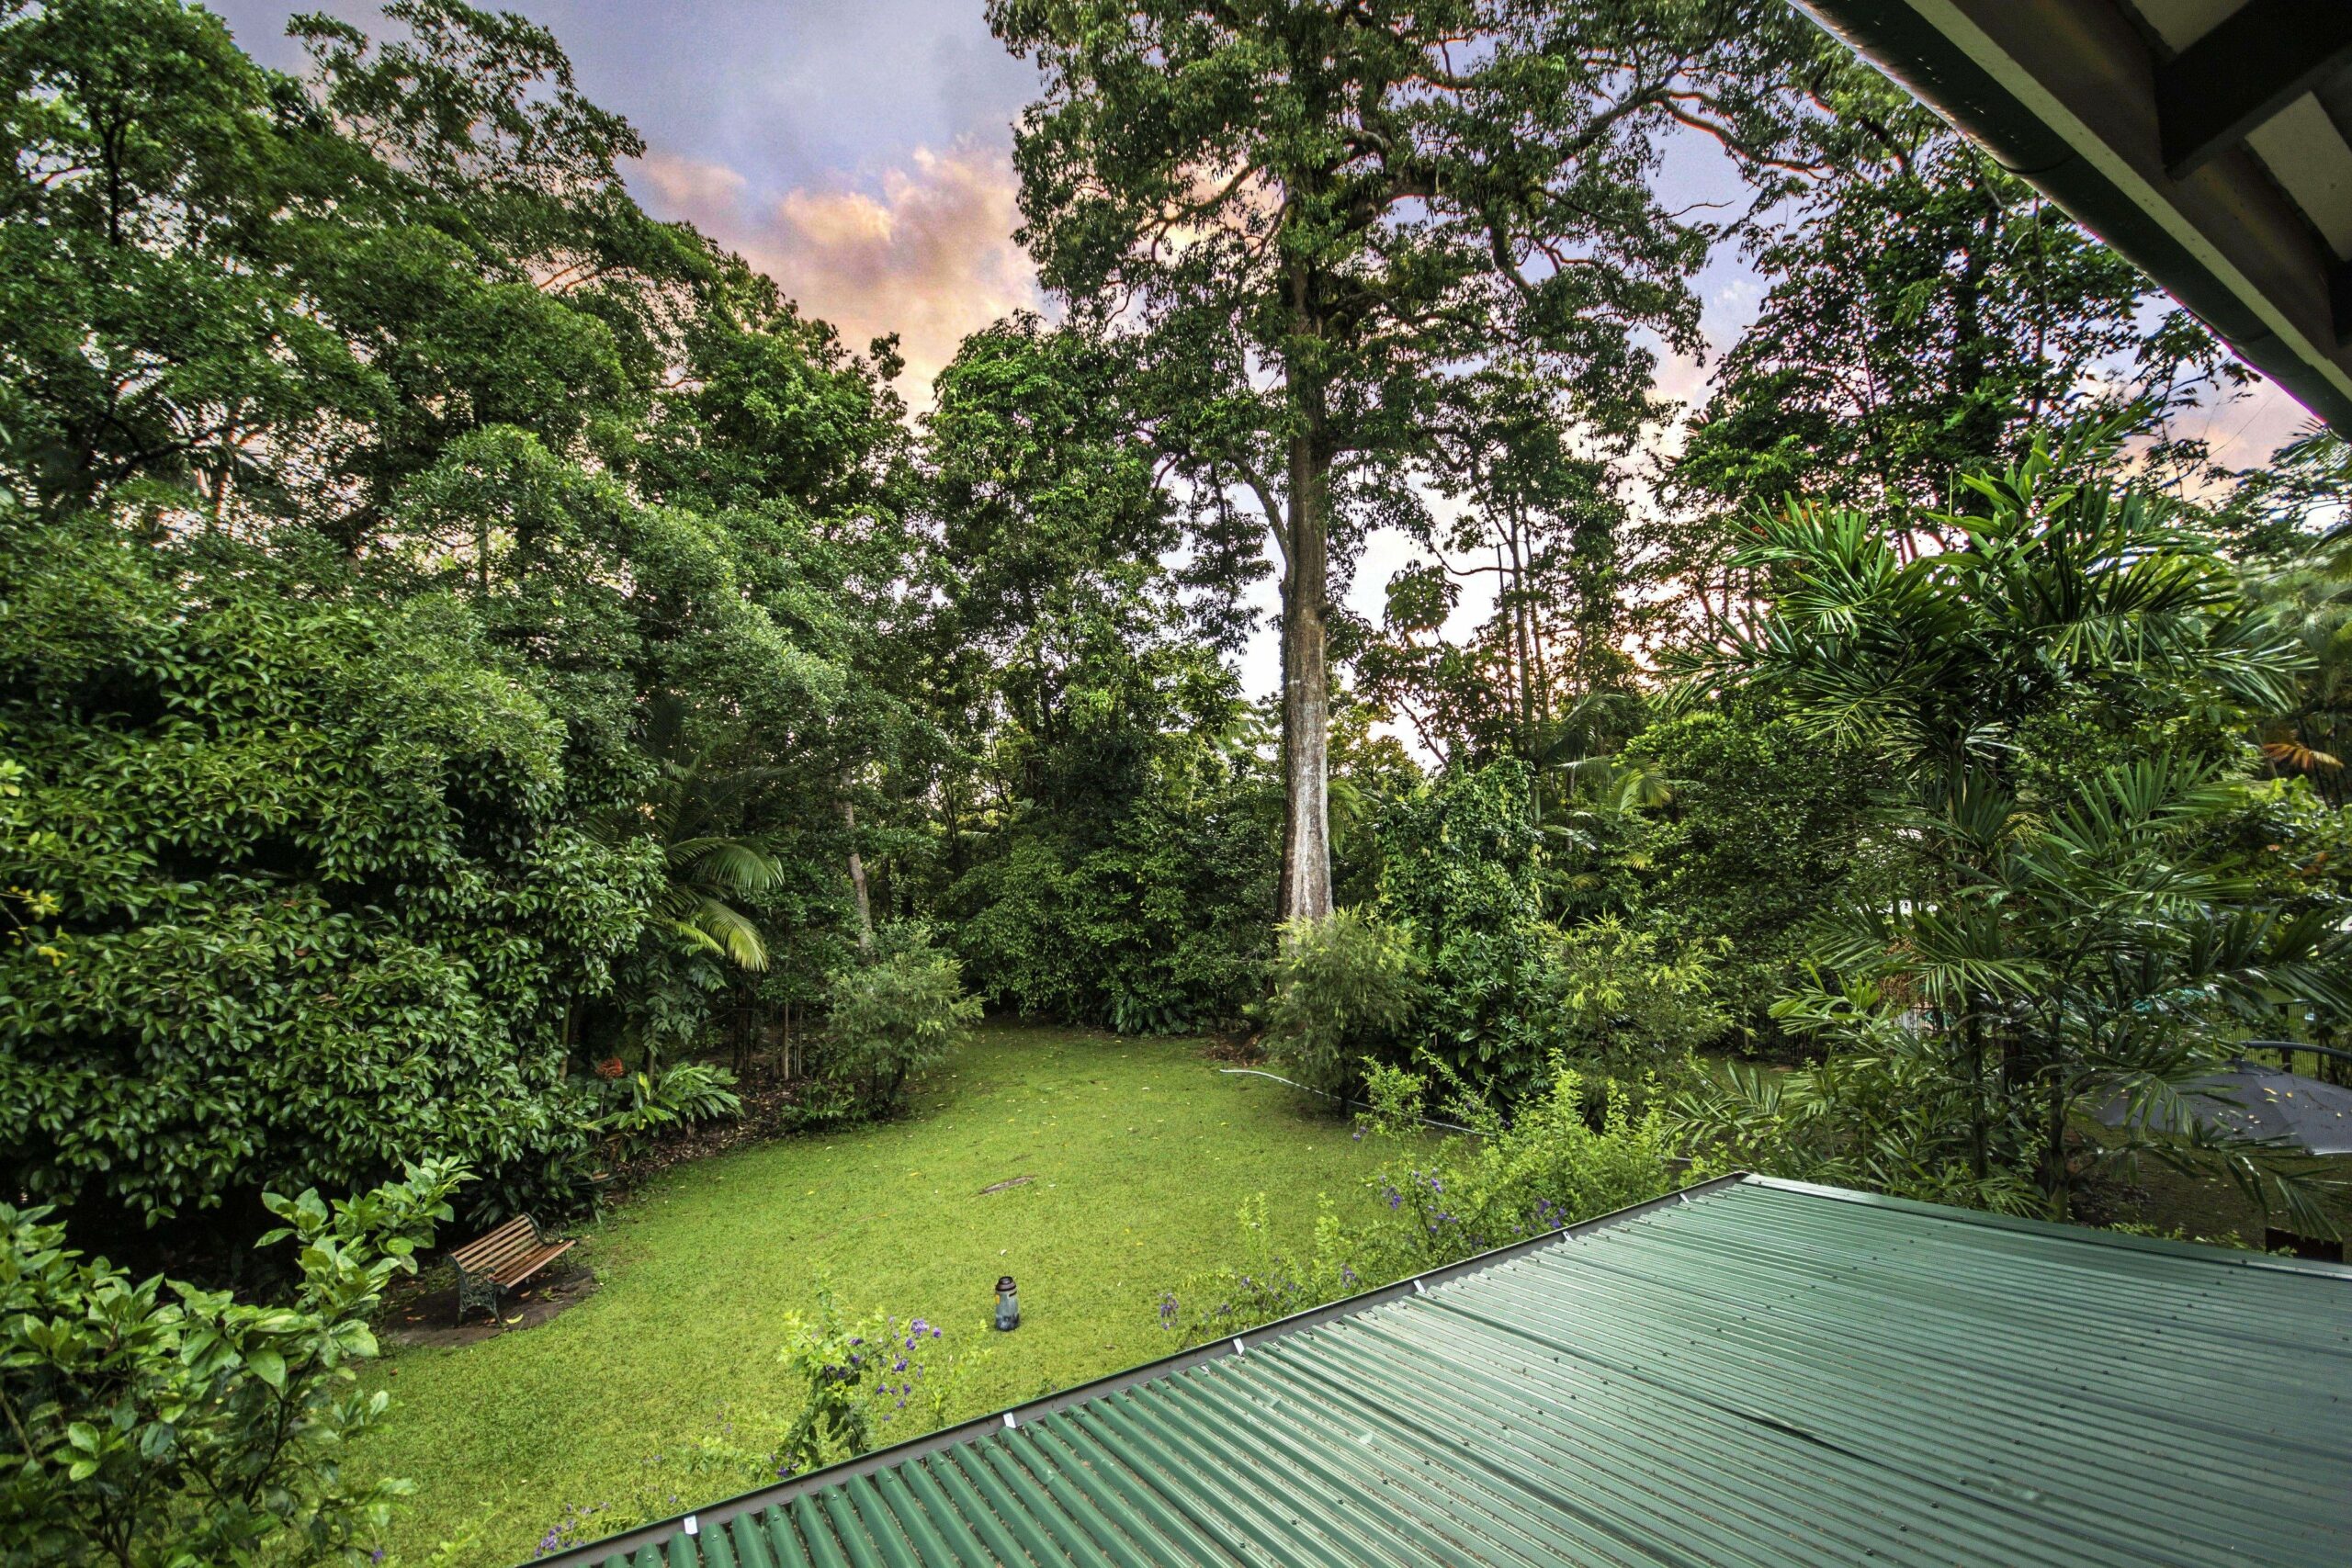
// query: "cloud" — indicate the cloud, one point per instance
point(927, 252)
point(690, 188)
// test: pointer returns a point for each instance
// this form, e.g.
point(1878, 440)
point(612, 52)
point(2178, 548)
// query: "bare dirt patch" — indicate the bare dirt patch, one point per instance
point(429, 1317)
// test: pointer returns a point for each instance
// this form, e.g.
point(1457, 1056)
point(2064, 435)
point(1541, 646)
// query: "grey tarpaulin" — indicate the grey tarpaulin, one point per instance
point(2257, 1101)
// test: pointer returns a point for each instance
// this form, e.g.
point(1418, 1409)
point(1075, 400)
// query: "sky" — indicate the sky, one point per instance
point(859, 151)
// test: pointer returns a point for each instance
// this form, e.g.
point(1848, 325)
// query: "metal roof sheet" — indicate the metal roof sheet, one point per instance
point(1753, 1373)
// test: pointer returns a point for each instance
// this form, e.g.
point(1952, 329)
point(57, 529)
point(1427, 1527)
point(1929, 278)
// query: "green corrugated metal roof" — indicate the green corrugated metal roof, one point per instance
point(1753, 1373)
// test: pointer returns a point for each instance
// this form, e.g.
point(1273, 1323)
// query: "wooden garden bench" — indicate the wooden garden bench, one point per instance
point(502, 1260)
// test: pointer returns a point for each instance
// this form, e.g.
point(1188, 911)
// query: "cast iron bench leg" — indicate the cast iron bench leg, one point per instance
point(476, 1290)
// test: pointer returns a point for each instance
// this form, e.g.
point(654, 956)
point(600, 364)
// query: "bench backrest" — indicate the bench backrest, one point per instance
point(502, 1245)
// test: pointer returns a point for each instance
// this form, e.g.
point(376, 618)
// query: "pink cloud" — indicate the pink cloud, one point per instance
point(928, 254)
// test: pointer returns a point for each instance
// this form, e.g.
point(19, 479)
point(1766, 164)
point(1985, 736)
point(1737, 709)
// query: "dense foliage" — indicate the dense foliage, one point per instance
point(895, 1012)
point(316, 905)
point(154, 1424)
point(2060, 707)
point(472, 656)
point(438, 613)
point(1555, 1163)
point(487, 682)
point(1346, 991)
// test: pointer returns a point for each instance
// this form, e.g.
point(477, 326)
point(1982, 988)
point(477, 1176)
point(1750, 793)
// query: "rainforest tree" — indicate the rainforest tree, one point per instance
point(1322, 214)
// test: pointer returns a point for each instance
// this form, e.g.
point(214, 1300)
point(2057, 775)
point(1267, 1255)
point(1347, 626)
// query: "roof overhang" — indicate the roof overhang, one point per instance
point(2205, 140)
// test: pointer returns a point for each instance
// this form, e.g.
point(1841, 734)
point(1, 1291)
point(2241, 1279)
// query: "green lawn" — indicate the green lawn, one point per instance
point(1141, 1153)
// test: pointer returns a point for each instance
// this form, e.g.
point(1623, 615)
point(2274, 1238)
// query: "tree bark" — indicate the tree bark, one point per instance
point(1307, 676)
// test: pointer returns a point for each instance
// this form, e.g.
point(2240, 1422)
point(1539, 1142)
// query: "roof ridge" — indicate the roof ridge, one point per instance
point(2088, 1235)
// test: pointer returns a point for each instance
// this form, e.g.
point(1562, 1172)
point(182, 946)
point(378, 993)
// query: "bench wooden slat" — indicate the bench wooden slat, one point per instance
point(505, 1257)
point(531, 1263)
point(490, 1257)
point(515, 1232)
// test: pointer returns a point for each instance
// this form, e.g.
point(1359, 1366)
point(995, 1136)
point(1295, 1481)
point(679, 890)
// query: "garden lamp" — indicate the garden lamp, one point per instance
point(1008, 1305)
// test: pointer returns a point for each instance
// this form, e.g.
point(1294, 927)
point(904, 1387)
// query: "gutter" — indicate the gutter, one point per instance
point(693, 1522)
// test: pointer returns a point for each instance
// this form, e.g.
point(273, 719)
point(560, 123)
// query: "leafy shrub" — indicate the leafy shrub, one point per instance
point(611, 1118)
point(559, 1173)
point(1345, 989)
point(195, 1429)
point(679, 1096)
point(1158, 928)
point(894, 1014)
point(313, 902)
point(1769, 831)
point(1550, 1166)
point(857, 1378)
point(1631, 1008)
point(1462, 871)
point(1265, 1282)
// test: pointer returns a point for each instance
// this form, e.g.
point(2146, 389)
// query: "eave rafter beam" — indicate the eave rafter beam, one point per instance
point(2262, 58)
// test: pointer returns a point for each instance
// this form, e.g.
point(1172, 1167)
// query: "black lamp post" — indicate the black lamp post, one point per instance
point(1008, 1305)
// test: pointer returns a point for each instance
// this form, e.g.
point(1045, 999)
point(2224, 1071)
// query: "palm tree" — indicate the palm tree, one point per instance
point(2080, 955)
point(2062, 937)
point(707, 869)
point(2313, 604)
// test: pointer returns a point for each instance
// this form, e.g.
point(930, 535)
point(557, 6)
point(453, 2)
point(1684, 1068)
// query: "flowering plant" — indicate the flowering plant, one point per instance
point(860, 1377)
point(860, 1383)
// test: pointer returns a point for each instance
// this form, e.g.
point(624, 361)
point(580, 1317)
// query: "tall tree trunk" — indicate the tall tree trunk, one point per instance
point(858, 873)
point(1307, 676)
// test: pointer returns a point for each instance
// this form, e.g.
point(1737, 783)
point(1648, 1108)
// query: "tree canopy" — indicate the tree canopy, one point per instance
point(478, 665)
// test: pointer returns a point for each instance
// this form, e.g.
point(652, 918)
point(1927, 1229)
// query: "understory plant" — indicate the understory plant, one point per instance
point(895, 1013)
point(154, 1425)
point(1633, 1004)
point(1346, 988)
point(1462, 870)
point(1553, 1164)
point(856, 1379)
point(2085, 905)
point(647, 1104)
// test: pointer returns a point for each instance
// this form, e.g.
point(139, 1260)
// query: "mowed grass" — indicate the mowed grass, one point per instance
point(1140, 1152)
